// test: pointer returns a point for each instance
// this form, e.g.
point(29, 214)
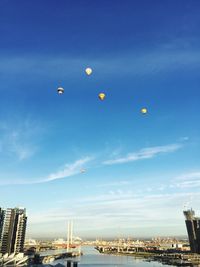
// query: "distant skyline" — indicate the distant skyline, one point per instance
point(140, 170)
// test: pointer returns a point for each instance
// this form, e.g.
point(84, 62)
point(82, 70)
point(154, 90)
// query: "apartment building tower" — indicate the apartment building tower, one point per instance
point(193, 229)
point(12, 230)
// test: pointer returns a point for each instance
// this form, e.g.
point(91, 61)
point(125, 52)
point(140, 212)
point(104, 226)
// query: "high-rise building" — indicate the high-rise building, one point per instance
point(2, 212)
point(13, 229)
point(193, 229)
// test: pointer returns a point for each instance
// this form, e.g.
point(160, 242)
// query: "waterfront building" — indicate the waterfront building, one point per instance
point(13, 228)
point(59, 243)
point(193, 229)
point(31, 242)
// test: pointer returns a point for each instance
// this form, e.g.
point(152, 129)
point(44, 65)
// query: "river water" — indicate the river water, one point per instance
point(92, 258)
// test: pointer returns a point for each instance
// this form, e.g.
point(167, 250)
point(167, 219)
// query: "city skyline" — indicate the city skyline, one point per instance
point(139, 170)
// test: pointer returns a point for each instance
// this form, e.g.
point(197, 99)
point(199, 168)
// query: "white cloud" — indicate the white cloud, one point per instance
point(184, 138)
point(192, 175)
point(188, 180)
point(111, 184)
point(144, 153)
point(148, 62)
point(17, 146)
point(17, 139)
point(125, 209)
point(69, 170)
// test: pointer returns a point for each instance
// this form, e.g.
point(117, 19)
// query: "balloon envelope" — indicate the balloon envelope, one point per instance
point(60, 90)
point(102, 96)
point(88, 71)
point(144, 110)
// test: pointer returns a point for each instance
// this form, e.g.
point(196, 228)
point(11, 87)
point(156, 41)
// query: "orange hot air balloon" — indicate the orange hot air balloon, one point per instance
point(102, 96)
point(88, 71)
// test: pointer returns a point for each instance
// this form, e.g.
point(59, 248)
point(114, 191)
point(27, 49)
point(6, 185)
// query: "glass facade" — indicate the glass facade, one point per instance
point(12, 230)
point(193, 229)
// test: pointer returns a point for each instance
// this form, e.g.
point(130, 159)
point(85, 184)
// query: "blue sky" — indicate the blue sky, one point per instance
point(140, 170)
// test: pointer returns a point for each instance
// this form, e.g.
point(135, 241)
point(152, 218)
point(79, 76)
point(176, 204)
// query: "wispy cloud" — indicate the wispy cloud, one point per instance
point(145, 153)
point(110, 184)
point(125, 209)
point(22, 150)
point(188, 180)
point(16, 139)
point(145, 63)
point(68, 170)
point(184, 138)
point(118, 183)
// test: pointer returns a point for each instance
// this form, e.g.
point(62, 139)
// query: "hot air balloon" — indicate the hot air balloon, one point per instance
point(144, 110)
point(102, 96)
point(60, 90)
point(88, 71)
